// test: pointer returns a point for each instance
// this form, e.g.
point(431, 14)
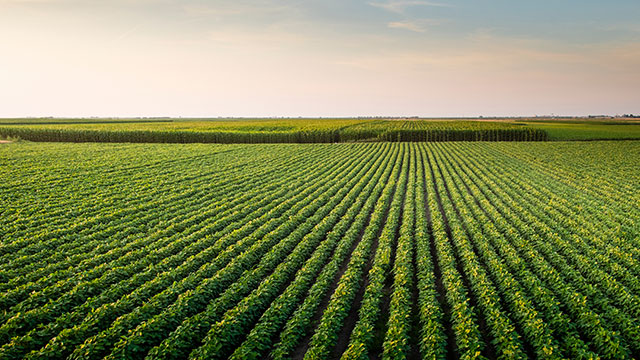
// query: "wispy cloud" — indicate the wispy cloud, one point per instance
point(407, 25)
point(26, 1)
point(262, 7)
point(622, 27)
point(399, 7)
point(127, 33)
point(416, 25)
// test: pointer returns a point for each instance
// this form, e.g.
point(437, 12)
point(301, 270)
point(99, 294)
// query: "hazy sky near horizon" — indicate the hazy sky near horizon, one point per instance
point(318, 57)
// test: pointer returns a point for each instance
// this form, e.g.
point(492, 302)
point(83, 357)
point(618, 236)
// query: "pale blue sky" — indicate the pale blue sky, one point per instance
point(318, 58)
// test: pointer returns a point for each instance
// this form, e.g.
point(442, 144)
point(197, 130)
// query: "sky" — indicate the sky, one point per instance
point(311, 58)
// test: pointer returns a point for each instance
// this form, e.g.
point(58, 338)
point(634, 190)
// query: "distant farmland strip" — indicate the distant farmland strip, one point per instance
point(320, 251)
point(286, 131)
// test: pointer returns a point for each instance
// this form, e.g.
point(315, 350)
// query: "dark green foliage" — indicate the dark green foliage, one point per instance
point(471, 250)
point(69, 134)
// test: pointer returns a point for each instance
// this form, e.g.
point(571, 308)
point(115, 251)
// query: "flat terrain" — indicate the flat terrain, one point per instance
point(594, 130)
point(385, 250)
point(318, 130)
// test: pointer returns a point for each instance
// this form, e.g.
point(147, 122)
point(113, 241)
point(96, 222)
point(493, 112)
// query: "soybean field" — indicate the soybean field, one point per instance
point(385, 250)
